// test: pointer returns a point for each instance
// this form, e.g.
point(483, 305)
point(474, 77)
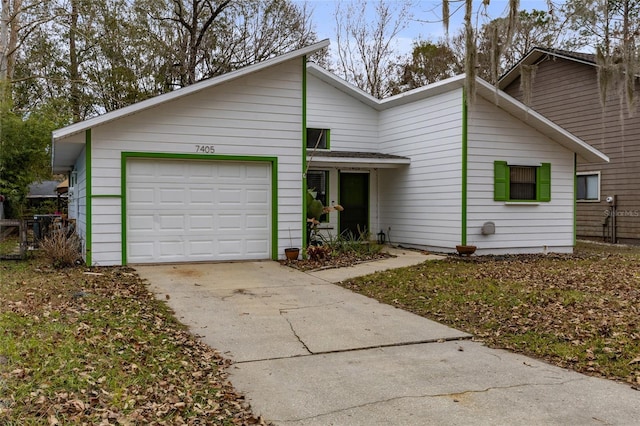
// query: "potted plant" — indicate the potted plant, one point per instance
point(291, 253)
point(466, 250)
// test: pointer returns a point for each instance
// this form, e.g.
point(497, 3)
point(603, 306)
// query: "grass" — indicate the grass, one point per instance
point(89, 346)
point(9, 245)
point(92, 345)
point(578, 311)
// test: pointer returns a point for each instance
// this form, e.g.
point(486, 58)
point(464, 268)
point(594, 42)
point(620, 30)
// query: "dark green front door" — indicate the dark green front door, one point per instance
point(354, 197)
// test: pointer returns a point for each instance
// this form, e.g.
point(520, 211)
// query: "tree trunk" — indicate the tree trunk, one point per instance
point(74, 72)
point(9, 26)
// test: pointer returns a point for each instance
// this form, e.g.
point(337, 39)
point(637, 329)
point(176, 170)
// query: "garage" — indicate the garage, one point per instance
point(181, 210)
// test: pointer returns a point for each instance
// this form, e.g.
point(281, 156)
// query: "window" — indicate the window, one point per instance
point(521, 183)
point(588, 186)
point(318, 181)
point(319, 137)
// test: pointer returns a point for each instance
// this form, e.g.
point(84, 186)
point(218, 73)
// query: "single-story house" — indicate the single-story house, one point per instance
point(218, 170)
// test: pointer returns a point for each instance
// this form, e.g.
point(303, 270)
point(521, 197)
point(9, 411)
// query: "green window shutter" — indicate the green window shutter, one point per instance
point(544, 182)
point(500, 181)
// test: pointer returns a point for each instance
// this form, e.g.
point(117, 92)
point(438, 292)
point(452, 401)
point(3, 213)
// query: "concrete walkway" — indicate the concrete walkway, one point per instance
point(307, 352)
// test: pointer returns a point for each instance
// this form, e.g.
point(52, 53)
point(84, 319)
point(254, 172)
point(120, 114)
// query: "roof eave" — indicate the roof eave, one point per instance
point(412, 95)
point(185, 91)
point(514, 72)
point(381, 163)
point(532, 57)
point(540, 123)
point(342, 85)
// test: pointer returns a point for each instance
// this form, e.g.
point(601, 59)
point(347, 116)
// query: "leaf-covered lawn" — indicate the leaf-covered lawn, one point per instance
point(93, 346)
point(579, 311)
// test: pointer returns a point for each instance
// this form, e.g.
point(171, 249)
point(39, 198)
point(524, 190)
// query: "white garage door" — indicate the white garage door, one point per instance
point(183, 211)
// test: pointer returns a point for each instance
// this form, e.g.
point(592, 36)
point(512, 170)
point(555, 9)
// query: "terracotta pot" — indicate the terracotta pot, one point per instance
point(466, 250)
point(292, 253)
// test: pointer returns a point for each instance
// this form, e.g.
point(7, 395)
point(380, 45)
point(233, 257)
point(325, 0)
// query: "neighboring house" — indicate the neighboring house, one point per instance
point(48, 190)
point(216, 170)
point(565, 90)
point(45, 190)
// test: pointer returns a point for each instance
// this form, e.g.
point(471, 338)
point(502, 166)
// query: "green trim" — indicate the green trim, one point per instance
point(369, 204)
point(88, 198)
point(339, 202)
point(303, 199)
point(328, 193)
point(170, 156)
point(465, 143)
point(575, 199)
point(356, 172)
point(502, 183)
point(123, 206)
point(106, 196)
point(543, 183)
point(274, 207)
point(327, 138)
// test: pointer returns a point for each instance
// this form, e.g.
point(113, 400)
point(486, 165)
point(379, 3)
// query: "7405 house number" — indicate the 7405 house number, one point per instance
point(206, 149)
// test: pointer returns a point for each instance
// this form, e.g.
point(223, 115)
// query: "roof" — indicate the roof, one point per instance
point(73, 150)
point(485, 90)
point(356, 159)
point(63, 187)
point(44, 189)
point(64, 155)
point(536, 54)
point(386, 103)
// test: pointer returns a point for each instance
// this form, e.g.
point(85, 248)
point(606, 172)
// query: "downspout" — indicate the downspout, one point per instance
point(88, 200)
point(304, 152)
point(575, 198)
point(463, 236)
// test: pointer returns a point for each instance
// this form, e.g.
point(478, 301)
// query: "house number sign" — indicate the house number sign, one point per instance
point(206, 149)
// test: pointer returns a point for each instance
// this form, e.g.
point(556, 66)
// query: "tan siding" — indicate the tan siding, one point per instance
point(567, 93)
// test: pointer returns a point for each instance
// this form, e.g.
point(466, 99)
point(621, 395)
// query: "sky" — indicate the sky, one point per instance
point(427, 22)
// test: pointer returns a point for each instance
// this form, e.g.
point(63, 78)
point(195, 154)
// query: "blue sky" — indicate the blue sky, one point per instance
point(427, 23)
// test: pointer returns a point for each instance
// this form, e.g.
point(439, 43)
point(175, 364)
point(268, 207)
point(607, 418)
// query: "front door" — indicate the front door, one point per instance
point(354, 197)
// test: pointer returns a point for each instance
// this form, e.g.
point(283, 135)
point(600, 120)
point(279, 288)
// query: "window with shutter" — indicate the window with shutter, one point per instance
point(521, 183)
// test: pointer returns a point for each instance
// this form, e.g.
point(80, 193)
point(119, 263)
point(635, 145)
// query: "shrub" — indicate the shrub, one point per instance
point(319, 252)
point(349, 244)
point(62, 249)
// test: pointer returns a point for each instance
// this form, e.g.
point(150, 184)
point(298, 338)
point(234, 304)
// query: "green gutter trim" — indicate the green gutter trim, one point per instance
point(88, 197)
point(170, 156)
point(304, 152)
point(123, 207)
point(463, 236)
point(575, 199)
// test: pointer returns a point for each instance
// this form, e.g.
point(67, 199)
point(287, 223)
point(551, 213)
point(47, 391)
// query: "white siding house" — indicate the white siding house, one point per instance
point(424, 205)
point(520, 226)
point(216, 171)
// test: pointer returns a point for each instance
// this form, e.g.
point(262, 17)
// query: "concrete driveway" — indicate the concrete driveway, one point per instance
point(307, 352)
